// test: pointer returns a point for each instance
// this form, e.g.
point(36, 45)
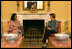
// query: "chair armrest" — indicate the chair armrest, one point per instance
point(52, 35)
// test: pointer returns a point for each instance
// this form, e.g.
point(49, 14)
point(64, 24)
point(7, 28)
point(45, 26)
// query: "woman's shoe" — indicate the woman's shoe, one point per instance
point(44, 46)
point(46, 43)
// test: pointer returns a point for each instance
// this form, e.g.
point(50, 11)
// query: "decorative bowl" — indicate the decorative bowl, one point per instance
point(10, 37)
point(61, 37)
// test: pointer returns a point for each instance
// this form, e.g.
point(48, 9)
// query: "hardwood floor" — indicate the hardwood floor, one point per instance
point(26, 43)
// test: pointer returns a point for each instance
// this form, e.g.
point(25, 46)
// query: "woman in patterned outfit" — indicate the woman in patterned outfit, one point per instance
point(14, 25)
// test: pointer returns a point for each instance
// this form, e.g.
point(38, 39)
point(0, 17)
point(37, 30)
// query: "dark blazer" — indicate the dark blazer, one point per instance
point(53, 24)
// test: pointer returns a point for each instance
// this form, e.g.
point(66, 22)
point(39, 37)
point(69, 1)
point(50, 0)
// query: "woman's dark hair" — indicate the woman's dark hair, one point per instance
point(13, 16)
point(53, 15)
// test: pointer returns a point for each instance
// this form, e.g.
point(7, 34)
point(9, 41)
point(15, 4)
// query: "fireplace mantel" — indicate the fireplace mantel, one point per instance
point(33, 16)
point(33, 13)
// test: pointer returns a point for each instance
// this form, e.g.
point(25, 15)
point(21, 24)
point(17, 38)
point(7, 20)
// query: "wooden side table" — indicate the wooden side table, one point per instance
point(56, 44)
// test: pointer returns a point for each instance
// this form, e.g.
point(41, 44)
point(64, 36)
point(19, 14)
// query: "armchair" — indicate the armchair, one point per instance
point(59, 29)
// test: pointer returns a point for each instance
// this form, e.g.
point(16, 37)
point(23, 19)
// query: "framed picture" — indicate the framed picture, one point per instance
point(39, 5)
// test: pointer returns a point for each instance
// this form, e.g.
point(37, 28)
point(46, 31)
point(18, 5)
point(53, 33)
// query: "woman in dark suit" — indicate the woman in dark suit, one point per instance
point(51, 28)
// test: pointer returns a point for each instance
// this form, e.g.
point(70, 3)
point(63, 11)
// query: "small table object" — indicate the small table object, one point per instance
point(58, 44)
point(16, 44)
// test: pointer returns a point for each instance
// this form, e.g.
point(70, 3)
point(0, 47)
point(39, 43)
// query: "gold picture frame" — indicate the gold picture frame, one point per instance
point(37, 4)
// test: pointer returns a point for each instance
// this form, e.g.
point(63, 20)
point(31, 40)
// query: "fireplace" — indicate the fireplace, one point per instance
point(33, 28)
